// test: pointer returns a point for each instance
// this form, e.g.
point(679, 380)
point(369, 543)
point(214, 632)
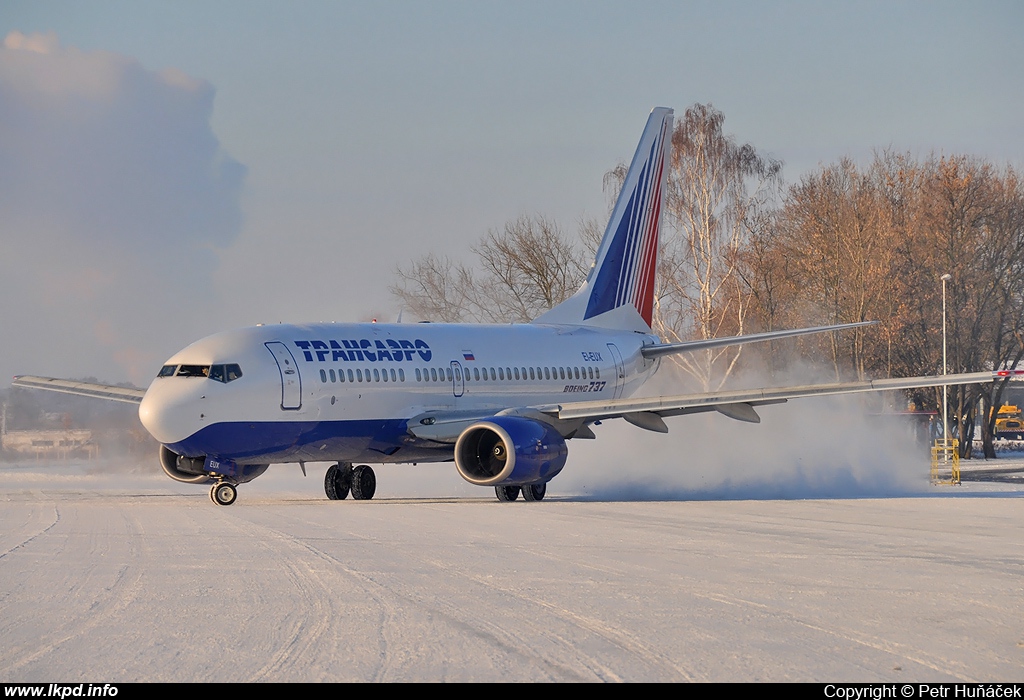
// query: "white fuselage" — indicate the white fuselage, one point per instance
point(346, 392)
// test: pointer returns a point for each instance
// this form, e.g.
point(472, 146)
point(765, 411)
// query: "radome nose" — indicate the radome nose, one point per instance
point(167, 411)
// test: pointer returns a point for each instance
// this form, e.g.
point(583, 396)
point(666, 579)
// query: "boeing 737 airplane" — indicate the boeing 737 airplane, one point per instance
point(499, 400)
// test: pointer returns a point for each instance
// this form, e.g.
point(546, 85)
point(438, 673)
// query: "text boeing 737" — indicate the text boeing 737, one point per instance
point(499, 400)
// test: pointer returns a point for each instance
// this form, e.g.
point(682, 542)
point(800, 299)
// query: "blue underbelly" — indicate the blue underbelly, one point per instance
point(375, 441)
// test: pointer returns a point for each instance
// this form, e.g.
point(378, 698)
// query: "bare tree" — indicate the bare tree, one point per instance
point(766, 272)
point(716, 187)
point(437, 289)
point(523, 270)
point(528, 268)
point(856, 244)
point(838, 240)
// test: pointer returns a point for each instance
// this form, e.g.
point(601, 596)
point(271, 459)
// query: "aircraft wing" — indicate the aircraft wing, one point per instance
point(96, 391)
point(652, 351)
point(648, 412)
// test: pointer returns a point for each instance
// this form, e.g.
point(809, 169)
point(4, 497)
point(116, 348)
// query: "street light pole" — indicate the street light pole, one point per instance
point(945, 410)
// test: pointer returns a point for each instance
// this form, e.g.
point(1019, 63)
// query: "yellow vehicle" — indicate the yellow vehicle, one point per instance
point(1009, 423)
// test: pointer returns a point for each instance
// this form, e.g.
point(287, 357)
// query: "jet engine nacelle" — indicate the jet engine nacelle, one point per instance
point(191, 470)
point(509, 451)
point(187, 470)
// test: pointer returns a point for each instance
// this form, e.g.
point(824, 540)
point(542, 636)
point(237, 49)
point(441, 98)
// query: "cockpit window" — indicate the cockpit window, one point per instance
point(220, 373)
point(225, 373)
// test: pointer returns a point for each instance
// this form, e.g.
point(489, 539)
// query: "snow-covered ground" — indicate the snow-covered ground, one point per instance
point(110, 573)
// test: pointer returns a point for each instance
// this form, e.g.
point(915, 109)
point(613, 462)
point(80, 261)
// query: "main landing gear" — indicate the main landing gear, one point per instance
point(342, 478)
point(531, 492)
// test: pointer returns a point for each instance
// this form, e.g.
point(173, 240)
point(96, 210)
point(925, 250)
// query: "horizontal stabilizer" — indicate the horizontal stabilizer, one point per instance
point(95, 391)
point(652, 351)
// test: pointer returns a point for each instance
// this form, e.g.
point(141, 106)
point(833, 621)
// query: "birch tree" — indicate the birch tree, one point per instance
point(715, 189)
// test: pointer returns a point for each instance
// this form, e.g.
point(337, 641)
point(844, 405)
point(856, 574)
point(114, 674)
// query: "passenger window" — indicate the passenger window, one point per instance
point(419, 377)
point(323, 376)
point(384, 374)
point(476, 374)
point(433, 374)
point(561, 372)
point(517, 373)
point(359, 375)
point(449, 373)
point(597, 372)
point(376, 375)
point(532, 376)
point(350, 375)
point(547, 373)
point(333, 378)
point(401, 375)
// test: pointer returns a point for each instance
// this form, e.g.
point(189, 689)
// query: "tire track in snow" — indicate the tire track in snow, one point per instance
point(943, 666)
point(30, 538)
point(514, 638)
point(122, 592)
point(626, 641)
point(620, 638)
point(308, 633)
point(501, 636)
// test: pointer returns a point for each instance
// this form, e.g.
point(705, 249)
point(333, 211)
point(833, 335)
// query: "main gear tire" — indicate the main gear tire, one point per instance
point(534, 492)
point(364, 483)
point(506, 494)
point(338, 481)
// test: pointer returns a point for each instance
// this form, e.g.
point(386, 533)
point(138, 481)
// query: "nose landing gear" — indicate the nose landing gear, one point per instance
point(223, 493)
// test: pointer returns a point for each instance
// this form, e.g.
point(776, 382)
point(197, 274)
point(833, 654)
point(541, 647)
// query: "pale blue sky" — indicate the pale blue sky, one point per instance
point(374, 132)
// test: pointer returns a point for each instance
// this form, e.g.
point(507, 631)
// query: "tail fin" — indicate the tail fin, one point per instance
point(619, 291)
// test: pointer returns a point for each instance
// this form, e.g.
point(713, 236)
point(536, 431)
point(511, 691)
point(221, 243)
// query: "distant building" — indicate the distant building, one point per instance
point(50, 443)
point(59, 442)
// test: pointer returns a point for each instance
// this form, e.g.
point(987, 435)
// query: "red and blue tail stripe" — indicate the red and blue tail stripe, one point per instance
point(627, 261)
